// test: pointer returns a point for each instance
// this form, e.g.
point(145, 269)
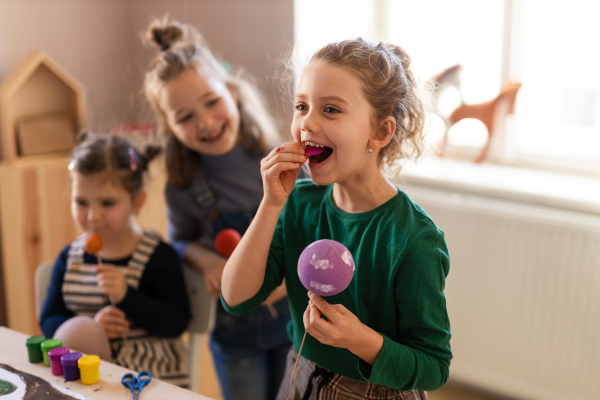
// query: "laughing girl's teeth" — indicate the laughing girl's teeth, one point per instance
point(313, 144)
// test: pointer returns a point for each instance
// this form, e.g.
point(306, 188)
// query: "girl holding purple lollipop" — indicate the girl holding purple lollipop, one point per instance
point(358, 110)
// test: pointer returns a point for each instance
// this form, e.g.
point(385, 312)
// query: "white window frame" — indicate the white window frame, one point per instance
point(504, 151)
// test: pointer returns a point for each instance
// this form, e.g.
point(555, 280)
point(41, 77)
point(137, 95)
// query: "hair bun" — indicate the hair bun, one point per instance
point(164, 33)
point(82, 136)
point(151, 151)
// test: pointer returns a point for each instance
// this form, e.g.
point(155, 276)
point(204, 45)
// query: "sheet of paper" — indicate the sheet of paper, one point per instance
point(13, 386)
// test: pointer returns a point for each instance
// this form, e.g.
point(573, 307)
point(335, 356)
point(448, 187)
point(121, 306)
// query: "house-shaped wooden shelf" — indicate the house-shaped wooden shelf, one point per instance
point(42, 107)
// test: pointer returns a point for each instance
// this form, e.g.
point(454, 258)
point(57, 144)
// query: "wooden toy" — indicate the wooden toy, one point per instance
point(489, 113)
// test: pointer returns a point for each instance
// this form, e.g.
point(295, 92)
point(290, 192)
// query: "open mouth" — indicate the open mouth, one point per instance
point(317, 153)
point(214, 137)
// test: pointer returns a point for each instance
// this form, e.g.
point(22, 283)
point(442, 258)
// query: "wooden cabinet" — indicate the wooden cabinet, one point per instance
point(36, 223)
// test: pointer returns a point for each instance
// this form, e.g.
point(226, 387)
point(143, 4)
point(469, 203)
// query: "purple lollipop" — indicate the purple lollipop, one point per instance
point(325, 267)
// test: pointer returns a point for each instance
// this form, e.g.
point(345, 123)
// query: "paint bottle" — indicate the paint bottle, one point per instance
point(47, 345)
point(70, 365)
point(89, 367)
point(54, 355)
point(34, 350)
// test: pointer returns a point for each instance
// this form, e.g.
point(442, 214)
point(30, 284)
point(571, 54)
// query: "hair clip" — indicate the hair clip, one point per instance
point(132, 159)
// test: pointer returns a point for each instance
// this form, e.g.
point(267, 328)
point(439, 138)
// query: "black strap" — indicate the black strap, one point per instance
point(319, 372)
point(203, 195)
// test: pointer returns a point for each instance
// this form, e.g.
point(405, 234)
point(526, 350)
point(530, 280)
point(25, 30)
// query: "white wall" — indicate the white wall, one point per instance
point(98, 42)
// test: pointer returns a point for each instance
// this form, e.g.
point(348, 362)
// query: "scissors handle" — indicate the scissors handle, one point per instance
point(144, 378)
point(128, 380)
point(136, 383)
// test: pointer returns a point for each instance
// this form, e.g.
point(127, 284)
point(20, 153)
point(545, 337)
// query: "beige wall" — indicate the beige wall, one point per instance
point(250, 33)
point(98, 42)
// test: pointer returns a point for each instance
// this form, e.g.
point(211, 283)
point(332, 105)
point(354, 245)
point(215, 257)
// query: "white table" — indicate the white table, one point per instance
point(14, 353)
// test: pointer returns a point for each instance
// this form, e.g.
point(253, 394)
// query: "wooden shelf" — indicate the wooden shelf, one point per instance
point(39, 98)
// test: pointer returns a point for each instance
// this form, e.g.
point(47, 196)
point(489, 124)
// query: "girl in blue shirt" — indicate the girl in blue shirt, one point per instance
point(216, 128)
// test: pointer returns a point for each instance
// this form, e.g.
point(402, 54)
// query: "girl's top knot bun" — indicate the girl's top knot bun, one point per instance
point(163, 34)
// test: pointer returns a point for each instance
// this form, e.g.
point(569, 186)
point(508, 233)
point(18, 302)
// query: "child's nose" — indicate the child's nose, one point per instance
point(310, 123)
point(204, 120)
point(95, 213)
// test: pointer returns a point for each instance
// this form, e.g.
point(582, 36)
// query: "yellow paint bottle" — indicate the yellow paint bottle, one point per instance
point(89, 367)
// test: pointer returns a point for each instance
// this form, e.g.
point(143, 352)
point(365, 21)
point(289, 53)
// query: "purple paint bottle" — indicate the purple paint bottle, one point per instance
point(70, 367)
point(54, 355)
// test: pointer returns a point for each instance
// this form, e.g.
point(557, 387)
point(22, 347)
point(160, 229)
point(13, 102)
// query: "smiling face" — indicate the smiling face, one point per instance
point(201, 112)
point(332, 111)
point(103, 207)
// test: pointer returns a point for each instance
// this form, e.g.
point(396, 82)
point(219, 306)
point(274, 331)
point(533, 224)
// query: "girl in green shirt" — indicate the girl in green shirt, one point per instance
point(387, 335)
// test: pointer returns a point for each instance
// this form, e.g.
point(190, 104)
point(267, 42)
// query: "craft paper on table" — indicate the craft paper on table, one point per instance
point(19, 385)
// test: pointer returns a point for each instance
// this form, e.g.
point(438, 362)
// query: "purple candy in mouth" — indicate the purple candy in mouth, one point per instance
point(313, 150)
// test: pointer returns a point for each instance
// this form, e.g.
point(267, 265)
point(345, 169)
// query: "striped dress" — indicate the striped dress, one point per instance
point(164, 358)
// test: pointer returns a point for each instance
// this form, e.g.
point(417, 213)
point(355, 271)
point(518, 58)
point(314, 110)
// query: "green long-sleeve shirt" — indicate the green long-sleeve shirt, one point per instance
point(401, 263)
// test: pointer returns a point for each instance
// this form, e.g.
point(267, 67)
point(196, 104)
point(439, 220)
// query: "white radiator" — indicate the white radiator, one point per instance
point(523, 295)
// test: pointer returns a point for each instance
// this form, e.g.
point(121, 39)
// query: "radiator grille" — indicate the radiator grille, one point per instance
point(523, 295)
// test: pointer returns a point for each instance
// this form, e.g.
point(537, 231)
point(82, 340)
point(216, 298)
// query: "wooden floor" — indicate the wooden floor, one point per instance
point(209, 386)
point(452, 392)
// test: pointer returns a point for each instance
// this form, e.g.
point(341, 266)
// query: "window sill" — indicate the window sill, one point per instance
point(580, 194)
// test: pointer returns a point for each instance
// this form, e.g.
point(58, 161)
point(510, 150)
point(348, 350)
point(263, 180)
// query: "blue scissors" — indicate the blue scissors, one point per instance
point(136, 383)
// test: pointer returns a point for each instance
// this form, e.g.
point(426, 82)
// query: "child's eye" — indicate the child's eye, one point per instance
point(301, 107)
point(81, 203)
point(184, 119)
point(330, 110)
point(212, 102)
point(108, 203)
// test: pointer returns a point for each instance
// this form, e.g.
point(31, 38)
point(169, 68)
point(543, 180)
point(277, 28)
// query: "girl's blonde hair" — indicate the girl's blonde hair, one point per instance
point(113, 158)
point(390, 87)
point(182, 48)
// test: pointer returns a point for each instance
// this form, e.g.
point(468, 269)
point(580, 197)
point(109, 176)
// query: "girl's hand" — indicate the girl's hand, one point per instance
point(113, 320)
point(341, 328)
point(212, 277)
point(279, 170)
point(279, 293)
point(112, 282)
point(209, 263)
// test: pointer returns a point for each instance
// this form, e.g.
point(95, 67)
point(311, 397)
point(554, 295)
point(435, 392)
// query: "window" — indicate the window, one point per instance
point(548, 46)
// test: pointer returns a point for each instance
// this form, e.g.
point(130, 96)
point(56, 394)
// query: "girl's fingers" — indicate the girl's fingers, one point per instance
point(286, 151)
point(116, 312)
point(324, 307)
point(288, 147)
point(283, 162)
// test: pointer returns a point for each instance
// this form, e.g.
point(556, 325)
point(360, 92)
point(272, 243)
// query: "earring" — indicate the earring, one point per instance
point(370, 149)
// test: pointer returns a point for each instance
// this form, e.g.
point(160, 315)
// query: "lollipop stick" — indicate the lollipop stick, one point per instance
point(298, 358)
point(272, 310)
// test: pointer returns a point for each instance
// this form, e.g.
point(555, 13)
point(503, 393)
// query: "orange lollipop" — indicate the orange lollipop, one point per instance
point(93, 244)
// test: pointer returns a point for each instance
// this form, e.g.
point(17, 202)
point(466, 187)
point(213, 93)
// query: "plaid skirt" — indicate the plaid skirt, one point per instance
point(312, 382)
